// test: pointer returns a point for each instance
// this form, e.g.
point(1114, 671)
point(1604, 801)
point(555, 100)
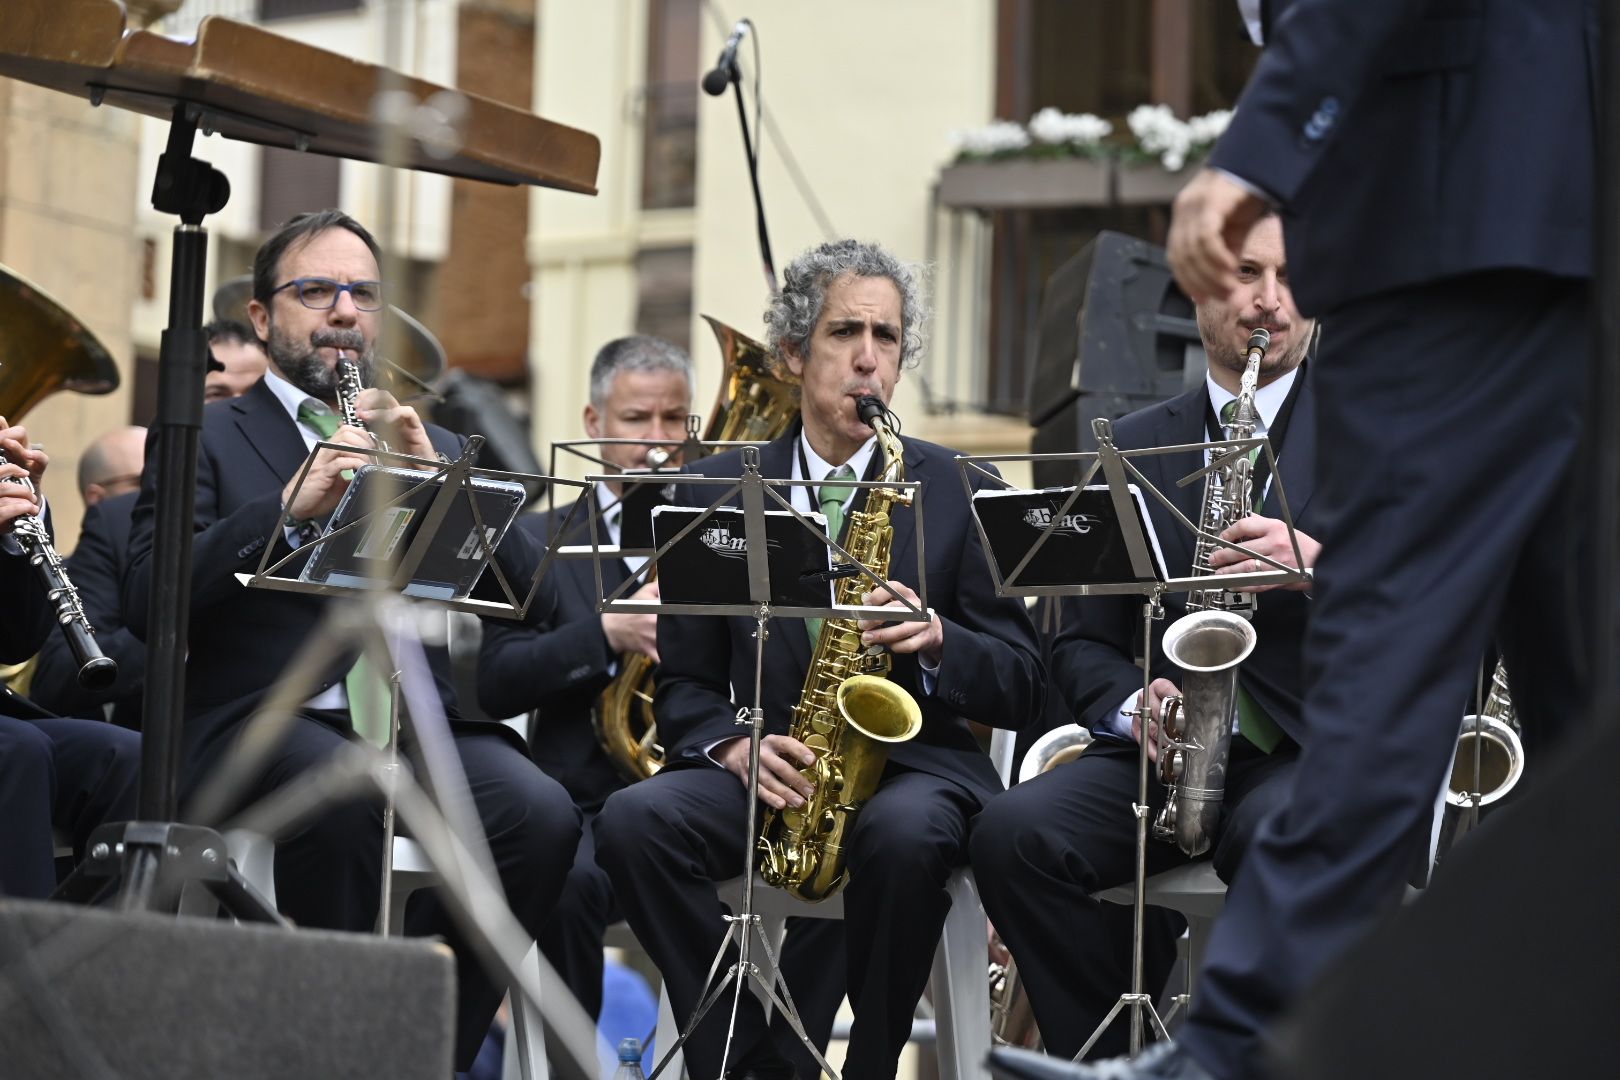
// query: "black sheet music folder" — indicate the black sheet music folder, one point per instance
point(363, 556)
point(1087, 548)
point(710, 564)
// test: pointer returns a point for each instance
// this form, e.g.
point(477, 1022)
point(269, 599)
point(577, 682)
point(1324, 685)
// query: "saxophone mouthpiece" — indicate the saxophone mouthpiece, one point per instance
point(1259, 340)
point(869, 408)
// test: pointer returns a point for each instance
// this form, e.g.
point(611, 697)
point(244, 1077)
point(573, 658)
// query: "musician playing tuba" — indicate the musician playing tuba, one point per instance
point(846, 324)
point(1041, 850)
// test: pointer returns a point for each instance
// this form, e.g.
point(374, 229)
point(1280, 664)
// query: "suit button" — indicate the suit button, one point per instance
point(579, 673)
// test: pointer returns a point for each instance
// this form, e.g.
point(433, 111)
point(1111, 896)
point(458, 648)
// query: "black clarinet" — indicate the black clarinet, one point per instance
point(96, 669)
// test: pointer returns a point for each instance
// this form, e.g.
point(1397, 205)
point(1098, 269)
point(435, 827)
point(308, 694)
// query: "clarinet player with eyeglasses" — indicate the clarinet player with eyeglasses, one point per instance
point(1042, 849)
point(317, 300)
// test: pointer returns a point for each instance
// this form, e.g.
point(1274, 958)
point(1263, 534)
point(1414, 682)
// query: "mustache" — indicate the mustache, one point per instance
point(857, 389)
point(1271, 327)
point(328, 338)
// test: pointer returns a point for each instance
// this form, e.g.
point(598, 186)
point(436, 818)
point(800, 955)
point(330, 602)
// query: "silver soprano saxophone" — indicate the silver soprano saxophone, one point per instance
point(1208, 644)
point(96, 670)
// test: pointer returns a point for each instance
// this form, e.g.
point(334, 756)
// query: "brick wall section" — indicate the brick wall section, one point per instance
point(478, 309)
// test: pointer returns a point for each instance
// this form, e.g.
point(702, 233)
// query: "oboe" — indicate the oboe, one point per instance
point(96, 670)
point(349, 387)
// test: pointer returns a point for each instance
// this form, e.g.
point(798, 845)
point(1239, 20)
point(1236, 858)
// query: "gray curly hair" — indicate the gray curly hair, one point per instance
point(793, 313)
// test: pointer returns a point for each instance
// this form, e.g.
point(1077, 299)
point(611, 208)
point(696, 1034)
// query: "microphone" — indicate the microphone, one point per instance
point(716, 81)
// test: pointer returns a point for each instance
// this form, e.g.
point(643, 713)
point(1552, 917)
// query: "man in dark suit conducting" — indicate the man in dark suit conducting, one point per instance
point(1435, 165)
point(641, 388)
point(848, 319)
point(316, 293)
point(1045, 846)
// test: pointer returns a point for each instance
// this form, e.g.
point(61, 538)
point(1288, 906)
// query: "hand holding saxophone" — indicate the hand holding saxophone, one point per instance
point(1269, 537)
point(633, 633)
point(1158, 690)
point(926, 639)
point(781, 784)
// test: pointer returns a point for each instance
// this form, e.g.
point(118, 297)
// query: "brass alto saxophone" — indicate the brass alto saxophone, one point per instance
point(849, 714)
point(753, 403)
point(1208, 644)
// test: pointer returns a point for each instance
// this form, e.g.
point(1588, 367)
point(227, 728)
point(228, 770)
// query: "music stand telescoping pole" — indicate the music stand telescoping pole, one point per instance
point(150, 855)
point(1148, 579)
point(744, 926)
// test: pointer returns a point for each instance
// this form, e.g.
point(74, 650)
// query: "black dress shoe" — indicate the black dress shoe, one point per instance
point(1161, 1061)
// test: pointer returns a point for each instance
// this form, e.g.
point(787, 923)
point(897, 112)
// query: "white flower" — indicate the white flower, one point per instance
point(1205, 129)
point(1059, 129)
point(1160, 134)
point(997, 137)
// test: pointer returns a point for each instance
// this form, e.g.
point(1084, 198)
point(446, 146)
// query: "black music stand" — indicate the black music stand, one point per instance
point(1131, 535)
point(756, 495)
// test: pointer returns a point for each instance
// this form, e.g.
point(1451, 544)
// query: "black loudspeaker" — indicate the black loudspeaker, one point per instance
point(86, 993)
point(1116, 334)
point(1504, 968)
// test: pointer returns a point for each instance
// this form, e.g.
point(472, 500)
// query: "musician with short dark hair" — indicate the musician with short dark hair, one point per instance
point(1045, 847)
point(316, 293)
point(74, 774)
point(236, 359)
point(848, 319)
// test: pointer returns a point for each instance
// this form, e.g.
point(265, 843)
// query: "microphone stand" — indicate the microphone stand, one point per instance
point(733, 76)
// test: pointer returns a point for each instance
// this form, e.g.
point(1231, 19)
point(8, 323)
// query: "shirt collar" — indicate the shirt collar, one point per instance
point(1268, 400)
point(819, 468)
point(292, 399)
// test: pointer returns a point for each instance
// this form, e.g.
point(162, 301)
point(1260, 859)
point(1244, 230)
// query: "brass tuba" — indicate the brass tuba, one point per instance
point(755, 404)
point(849, 714)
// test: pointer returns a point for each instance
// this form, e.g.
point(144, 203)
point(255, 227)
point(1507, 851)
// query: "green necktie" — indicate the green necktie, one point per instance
point(368, 693)
point(319, 420)
point(1253, 723)
point(832, 497)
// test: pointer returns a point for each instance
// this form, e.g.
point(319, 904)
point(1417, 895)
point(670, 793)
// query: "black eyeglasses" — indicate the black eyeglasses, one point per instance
point(322, 293)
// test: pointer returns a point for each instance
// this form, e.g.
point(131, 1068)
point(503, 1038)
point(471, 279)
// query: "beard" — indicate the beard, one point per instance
point(1276, 362)
point(305, 368)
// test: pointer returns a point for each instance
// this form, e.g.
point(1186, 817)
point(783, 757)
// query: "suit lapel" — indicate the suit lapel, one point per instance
point(902, 551)
point(269, 431)
point(1297, 464)
point(776, 463)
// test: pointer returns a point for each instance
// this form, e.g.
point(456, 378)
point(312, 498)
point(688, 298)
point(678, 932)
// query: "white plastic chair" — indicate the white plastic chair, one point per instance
point(961, 989)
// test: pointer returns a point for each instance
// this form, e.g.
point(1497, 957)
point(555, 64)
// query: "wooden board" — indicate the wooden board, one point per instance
point(260, 87)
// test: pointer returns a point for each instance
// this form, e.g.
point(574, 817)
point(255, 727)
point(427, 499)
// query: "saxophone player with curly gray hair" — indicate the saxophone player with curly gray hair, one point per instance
point(846, 325)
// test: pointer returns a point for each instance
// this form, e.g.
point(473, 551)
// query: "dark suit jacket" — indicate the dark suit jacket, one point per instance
point(990, 671)
point(1413, 140)
point(557, 668)
point(97, 568)
point(29, 616)
point(1094, 657)
point(242, 639)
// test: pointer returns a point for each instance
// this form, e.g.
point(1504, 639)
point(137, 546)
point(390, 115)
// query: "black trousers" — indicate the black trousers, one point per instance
point(812, 956)
point(1043, 847)
point(665, 841)
point(71, 774)
point(1448, 418)
point(329, 873)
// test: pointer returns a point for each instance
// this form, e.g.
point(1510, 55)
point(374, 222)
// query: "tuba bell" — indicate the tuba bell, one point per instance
point(755, 404)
